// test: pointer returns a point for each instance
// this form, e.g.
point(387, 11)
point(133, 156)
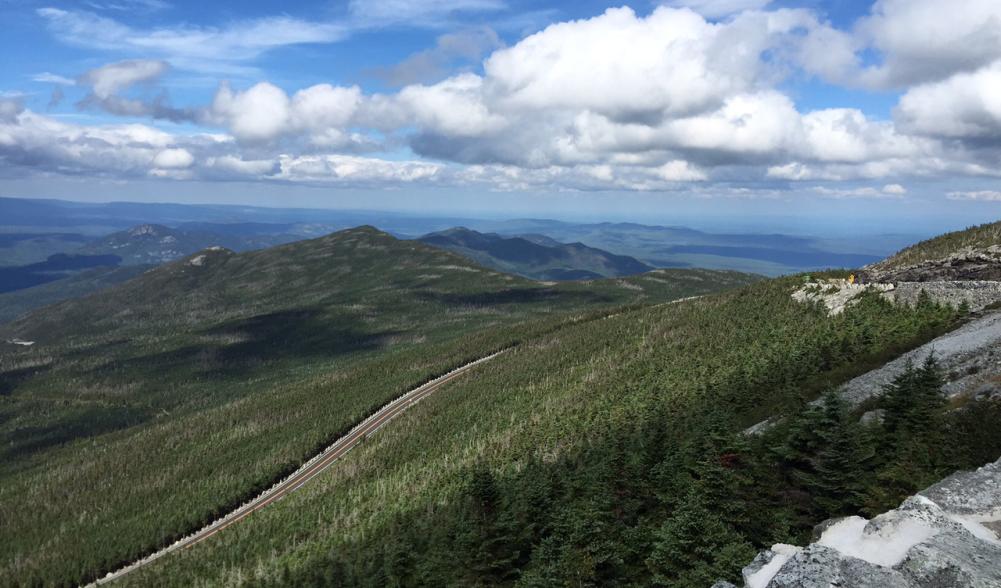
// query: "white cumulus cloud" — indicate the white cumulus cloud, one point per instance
point(928, 40)
point(330, 168)
point(173, 159)
point(690, 93)
point(719, 8)
point(259, 113)
point(678, 64)
point(967, 105)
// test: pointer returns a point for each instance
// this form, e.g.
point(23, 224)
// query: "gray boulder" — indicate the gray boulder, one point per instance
point(818, 566)
point(947, 536)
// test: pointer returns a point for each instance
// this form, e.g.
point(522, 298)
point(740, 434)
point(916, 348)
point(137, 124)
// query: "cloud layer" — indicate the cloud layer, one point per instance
point(688, 95)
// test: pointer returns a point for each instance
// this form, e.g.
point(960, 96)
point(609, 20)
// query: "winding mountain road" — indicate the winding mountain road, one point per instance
point(308, 471)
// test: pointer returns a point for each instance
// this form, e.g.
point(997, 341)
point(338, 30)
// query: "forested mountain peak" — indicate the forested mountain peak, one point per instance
point(216, 281)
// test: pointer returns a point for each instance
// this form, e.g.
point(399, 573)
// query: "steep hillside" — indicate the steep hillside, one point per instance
point(972, 254)
point(591, 455)
point(149, 408)
point(538, 258)
point(603, 448)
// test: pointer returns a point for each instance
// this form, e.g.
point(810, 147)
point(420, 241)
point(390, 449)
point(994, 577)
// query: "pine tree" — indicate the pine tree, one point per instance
point(398, 562)
point(695, 547)
point(486, 540)
point(904, 475)
point(794, 459)
point(897, 398)
point(925, 303)
point(928, 402)
point(839, 463)
point(913, 443)
point(914, 404)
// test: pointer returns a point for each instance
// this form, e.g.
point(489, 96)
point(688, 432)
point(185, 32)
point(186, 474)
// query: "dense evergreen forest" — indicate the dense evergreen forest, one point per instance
point(674, 499)
point(149, 409)
point(604, 447)
point(607, 452)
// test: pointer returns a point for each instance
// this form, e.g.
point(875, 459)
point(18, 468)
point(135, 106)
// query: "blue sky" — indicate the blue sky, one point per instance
point(30, 47)
point(743, 108)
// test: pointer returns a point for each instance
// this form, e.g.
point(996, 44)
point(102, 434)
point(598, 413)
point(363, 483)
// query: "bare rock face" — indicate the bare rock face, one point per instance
point(967, 264)
point(818, 566)
point(970, 355)
point(837, 295)
point(944, 537)
point(975, 294)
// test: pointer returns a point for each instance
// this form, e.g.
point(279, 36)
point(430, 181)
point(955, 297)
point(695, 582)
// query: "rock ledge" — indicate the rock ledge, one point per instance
point(947, 536)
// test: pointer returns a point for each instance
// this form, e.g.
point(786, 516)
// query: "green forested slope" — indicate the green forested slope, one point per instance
point(574, 459)
point(978, 237)
point(151, 407)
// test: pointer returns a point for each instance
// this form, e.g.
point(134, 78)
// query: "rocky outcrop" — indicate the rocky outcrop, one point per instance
point(837, 295)
point(983, 264)
point(976, 294)
point(970, 357)
point(971, 276)
point(945, 537)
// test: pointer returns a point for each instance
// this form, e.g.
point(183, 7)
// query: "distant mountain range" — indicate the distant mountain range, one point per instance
point(341, 269)
point(148, 244)
point(34, 229)
point(66, 276)
point(87, 265)
point(660, 246)
point(536, 256)
point(97, 238)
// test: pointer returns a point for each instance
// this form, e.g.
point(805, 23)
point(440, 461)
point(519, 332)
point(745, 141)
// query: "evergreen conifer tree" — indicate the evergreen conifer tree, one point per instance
point(695, 547)
point(839, 463)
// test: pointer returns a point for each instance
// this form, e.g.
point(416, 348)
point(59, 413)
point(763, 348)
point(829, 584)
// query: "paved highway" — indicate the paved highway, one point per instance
point(308, 471)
